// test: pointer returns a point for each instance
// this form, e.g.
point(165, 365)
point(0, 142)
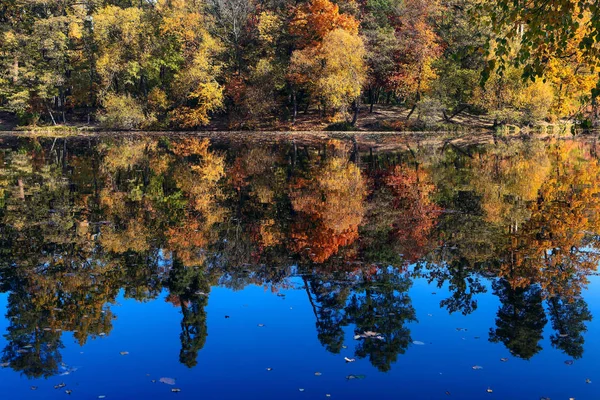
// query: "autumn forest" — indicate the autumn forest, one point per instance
point(253, 64)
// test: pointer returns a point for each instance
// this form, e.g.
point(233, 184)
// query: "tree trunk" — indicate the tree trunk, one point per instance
point(412, 110)
point(51, 116)
point(295, 105)
point(356, 107)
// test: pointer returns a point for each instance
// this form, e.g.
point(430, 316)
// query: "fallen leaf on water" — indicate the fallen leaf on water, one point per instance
point(489, 390)
point(68, 391)
point(269, 369)
point(504, 359)
point(447, 393)
point(167, 381)
point(348, 360)
point(569, 362)
point(34, 388)
point(60, 385)
point(302, 390)
point(349, 377)
point(418, 342)
point(102, 396)
point(477, 367)
point(261, 325)
point(588, 381)
point(175, 390)
point(344, 347)
point(124, 353)
point(327, 395)
point(318, 374)
point(4, 365)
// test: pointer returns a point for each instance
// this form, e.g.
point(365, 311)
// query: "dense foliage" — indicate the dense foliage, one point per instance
point(152, 64)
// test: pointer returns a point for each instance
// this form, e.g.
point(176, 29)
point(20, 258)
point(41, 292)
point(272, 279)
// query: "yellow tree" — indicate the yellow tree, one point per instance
point(195, 90)
point(333, 70)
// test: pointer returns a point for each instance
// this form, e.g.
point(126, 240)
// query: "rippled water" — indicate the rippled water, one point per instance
point(183, 267)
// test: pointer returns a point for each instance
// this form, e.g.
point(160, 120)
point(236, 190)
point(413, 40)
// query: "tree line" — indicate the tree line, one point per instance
point(157, 64)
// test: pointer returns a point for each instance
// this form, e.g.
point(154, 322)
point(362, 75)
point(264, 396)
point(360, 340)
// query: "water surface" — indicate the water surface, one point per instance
point(248, 269)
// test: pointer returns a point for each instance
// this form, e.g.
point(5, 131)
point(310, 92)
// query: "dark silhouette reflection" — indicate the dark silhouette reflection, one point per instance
point(381, 304)
point(84, 220)
point(520, 319)
point(33, 347)
point(373, 300)
point(328, 296)
point(568, 321)
point(189, 288)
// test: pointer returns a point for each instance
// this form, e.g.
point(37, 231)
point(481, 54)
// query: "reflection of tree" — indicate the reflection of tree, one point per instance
point(550, 247)
point(416, 212)
point(31, 349)
point(520, 319)
point(380, 303)
point(463, 285)
point(189, 288)
point(77, 228)
point(568, 321)
point(329, 207)
point(328, 297)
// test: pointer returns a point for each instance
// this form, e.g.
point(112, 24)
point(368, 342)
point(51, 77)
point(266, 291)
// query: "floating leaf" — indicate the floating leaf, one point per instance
point(124, 353)
point(167, 381)
point(418, 342)
point(350, 377)
point(477, 367)
point(349, 360)
point(175, 390)
point(318, 374)
point(504, 359)
point(569, 362)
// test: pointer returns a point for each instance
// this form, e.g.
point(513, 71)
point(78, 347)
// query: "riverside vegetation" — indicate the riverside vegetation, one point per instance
point(283, 64)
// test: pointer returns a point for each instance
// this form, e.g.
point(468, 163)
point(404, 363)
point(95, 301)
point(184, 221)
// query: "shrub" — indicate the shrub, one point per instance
point(341, 126)
point(123, 112)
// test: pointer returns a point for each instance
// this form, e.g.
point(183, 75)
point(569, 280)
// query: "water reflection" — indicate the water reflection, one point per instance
point(83, 220)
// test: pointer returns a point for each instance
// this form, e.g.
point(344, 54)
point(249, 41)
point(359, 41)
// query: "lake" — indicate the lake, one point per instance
point(289, 267)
